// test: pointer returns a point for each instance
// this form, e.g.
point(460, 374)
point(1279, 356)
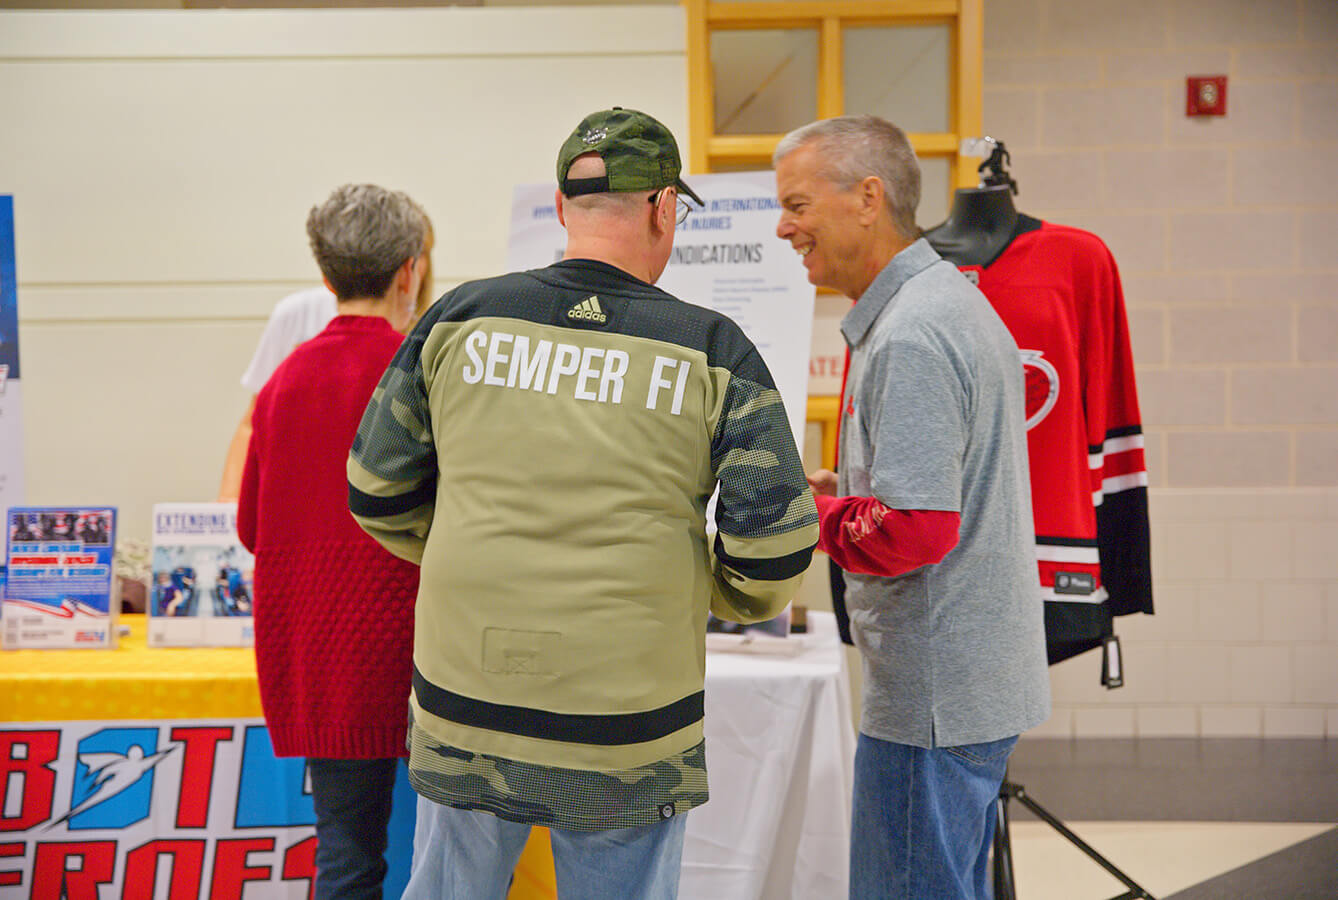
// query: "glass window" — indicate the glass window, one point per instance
point(900, 73)
point(765, 81)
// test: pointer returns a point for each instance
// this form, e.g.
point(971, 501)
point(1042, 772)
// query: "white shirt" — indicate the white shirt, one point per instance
point(297, 318)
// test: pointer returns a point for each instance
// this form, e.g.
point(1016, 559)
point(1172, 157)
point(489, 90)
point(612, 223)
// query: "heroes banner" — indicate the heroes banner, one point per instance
point(181, 809)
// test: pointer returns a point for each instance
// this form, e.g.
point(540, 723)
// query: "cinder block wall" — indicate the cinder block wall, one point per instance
point(1226, 233)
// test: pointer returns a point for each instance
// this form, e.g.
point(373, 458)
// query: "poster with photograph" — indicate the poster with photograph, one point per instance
point(726, 257)
point(201, 590)
point(58, 591)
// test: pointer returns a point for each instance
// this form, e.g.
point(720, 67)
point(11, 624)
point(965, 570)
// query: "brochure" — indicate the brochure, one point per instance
point(58, 579)
point(201, 590)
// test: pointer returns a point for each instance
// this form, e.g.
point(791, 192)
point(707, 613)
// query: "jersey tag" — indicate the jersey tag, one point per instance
point(1112, 665)
point(1074, 583)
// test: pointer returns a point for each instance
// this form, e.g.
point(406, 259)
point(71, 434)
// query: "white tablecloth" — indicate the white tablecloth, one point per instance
point(780, 753)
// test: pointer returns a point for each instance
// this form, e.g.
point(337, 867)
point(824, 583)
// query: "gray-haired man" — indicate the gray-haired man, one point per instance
point(930, 516)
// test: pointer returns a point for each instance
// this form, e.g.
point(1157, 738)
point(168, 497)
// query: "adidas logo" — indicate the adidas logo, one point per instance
point(589, 310)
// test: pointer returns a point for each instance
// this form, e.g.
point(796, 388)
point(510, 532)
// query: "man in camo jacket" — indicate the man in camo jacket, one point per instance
point(544, 445)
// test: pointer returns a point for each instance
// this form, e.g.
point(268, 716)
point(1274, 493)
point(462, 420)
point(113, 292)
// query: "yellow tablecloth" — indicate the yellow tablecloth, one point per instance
point(128, 682)
point(134, 682)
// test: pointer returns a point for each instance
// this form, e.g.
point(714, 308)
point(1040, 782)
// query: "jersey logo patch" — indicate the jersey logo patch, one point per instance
point(1074, 583)
point(588, 310)
point(1042, 385)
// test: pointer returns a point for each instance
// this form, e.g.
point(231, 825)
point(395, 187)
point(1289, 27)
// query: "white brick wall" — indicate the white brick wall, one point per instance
point(1245, 640)
point(1226, 232)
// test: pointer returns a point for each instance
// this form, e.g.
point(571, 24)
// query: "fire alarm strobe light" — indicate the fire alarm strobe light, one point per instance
point(1205, 95)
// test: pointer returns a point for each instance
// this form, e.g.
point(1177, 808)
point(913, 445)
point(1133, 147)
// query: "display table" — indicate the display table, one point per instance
point(135, 767)
point(780, 755)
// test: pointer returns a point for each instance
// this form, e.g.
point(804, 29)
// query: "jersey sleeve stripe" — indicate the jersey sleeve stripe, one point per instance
point(373, 506)
point(1096, 458)
point(776, 568)
point(1129, 463)
point(1051, 553)
point(1124, 482)
point(1119, 444)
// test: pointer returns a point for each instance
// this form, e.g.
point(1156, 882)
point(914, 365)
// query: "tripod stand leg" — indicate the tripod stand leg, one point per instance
point(1135, 892)
point(1004, 889)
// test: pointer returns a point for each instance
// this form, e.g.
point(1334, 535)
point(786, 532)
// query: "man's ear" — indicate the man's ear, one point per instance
point(871, 199)
point(329, 287)
point(557, 201)
point(664, 210)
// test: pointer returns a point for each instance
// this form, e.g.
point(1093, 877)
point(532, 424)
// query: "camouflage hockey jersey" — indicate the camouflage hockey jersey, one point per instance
point(545, 445)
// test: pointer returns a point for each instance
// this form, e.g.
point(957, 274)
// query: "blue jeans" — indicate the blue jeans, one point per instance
point(461, 854)
point(352, 803)
point(923, 820)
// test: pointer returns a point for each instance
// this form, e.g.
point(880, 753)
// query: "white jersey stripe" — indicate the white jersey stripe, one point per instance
point(1117, 483)
point(1113, 446)
point(1120, 444)
point(1060, 554)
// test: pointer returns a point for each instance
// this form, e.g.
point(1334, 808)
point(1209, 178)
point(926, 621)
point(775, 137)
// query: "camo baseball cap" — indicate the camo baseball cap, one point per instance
point(639, 154)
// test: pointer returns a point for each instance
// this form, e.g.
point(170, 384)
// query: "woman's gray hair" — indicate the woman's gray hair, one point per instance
point(851, 148)
point(361, 236)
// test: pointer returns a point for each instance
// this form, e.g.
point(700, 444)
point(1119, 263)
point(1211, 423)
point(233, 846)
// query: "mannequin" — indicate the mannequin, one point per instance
point(980, 225)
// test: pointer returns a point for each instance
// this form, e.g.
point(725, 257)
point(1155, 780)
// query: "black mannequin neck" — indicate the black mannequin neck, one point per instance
point(979, 227)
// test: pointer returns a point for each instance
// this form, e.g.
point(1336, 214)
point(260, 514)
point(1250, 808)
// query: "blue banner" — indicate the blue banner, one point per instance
point(11, 394)
point(9, 294)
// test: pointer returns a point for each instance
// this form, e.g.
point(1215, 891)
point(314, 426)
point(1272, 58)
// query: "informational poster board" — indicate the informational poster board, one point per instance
point(726, 257)
point(59, 577)
point(185, 809)
point(202, 590)
point(11, 389)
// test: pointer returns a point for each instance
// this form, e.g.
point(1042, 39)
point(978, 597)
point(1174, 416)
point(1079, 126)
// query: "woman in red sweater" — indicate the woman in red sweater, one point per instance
point(333, 610)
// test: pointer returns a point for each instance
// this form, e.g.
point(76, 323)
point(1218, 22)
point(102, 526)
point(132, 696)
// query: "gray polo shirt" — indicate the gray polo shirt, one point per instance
point(934, 418)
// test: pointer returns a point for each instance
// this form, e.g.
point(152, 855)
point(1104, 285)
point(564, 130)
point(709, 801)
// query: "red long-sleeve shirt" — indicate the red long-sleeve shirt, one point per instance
point(863, 535)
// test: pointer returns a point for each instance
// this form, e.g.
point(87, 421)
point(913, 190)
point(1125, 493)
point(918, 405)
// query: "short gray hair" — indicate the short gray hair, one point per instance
point(361, 236)
point(854, 147)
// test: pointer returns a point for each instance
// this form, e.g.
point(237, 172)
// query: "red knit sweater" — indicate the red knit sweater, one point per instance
point(333, 610)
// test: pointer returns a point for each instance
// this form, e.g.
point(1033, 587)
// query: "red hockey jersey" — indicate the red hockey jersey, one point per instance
point(1058, 291)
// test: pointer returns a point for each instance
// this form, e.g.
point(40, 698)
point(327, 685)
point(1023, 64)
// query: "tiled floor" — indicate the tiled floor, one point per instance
point(1186, 819)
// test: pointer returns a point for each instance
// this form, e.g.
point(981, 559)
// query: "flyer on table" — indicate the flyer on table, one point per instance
point(59, 577)
point(202, 588)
